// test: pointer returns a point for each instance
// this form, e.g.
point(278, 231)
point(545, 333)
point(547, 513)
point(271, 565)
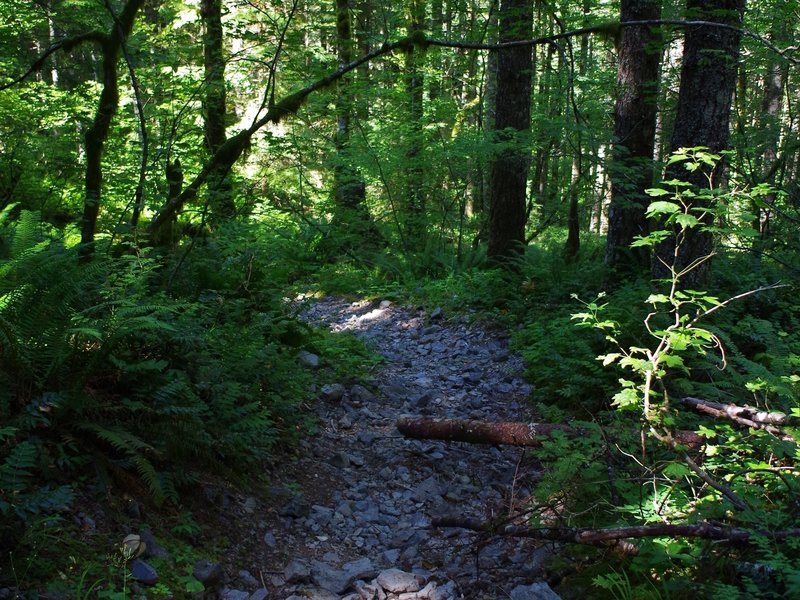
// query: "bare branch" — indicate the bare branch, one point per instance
point(593, 537)
point(748, 416)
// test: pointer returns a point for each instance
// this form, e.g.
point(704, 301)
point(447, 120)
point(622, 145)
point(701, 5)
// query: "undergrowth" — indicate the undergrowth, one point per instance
point(137, 375)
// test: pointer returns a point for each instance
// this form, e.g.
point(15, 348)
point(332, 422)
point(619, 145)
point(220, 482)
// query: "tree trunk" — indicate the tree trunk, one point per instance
point(352, 219)
point(507, 214)
point(111, 46)
point(414, 173)
point(634, 135)
point(708, 78)
point(220, 194)
point(509, 433)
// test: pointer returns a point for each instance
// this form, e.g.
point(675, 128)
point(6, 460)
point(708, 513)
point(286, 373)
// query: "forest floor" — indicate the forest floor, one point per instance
point(359, 497)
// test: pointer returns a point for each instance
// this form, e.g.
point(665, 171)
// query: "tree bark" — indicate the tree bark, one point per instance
point(220, 193)
point(507, 214)
point(746, 416)
point(634, 135)
point(708, 79)
point(111, 47)
point(480, 432)
point(508, 433)
point(415, 225)
point(352, 223)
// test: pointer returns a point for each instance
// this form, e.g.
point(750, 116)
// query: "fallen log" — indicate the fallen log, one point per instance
point(480, 432)
point(747, 416)
point(509, 433)
point(602, 536)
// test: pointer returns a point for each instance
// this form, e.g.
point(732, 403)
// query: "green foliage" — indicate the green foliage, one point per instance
point(688, 342)
point(103, 370)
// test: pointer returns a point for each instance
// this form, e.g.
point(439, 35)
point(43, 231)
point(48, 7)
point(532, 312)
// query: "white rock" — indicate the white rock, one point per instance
point(397, 581)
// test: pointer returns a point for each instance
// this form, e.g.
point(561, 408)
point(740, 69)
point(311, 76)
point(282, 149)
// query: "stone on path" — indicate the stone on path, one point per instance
point(143, 572)
point(397, 581)
point(297, 571)
point(308, 360)
point(208, 573)
point(534, 591)
point(333, 392)
point(339, 580)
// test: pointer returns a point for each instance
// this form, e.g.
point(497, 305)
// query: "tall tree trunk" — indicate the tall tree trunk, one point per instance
point(96, 135)
point(573, 243)
point(708, 78)
point(220, 194)
point(634, 135)
point(349, 188)
point(415, 189)
point(507, 215)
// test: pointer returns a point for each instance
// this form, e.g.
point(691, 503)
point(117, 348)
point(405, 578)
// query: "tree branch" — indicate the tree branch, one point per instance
point(747, 416)
point(592, 537)
point(231, 150)
point(611, 29)
point(66, 45)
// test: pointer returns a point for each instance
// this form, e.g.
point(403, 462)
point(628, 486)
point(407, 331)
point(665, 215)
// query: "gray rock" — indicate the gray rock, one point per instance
point(534, 591)
point(296, 507)
point(259, 594)
point(339, 581)
point(397, 581)
point(308, 360)
point(152, 548)
point(321, 515)
point(366, 437)
point(358, 393)
point(246, 577)
point(143, 572)
point(429, 489)
point(314, 593)
point(340, 460)
point(297, 571)
point(269, 539)
point(235, 595)
point(332, 392)
point(208, 573)
point(436, 314)
point(443, 592)
point(249, 505)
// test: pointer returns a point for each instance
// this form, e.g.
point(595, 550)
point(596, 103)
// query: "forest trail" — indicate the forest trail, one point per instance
point(360, 497)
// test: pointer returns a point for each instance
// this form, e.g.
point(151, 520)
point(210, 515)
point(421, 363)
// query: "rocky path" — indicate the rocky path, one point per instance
point(352, 516)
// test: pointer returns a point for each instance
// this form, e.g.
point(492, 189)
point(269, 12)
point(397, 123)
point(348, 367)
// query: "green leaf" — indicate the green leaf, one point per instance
point(687, 221)
point(657, 192)
point(609, 358)
point(662, 207)
point(626, 399)
point(657, 299)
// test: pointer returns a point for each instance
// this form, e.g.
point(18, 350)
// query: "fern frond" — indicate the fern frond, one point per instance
point(148, 473)
point(121, 440)
point(16, 469)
